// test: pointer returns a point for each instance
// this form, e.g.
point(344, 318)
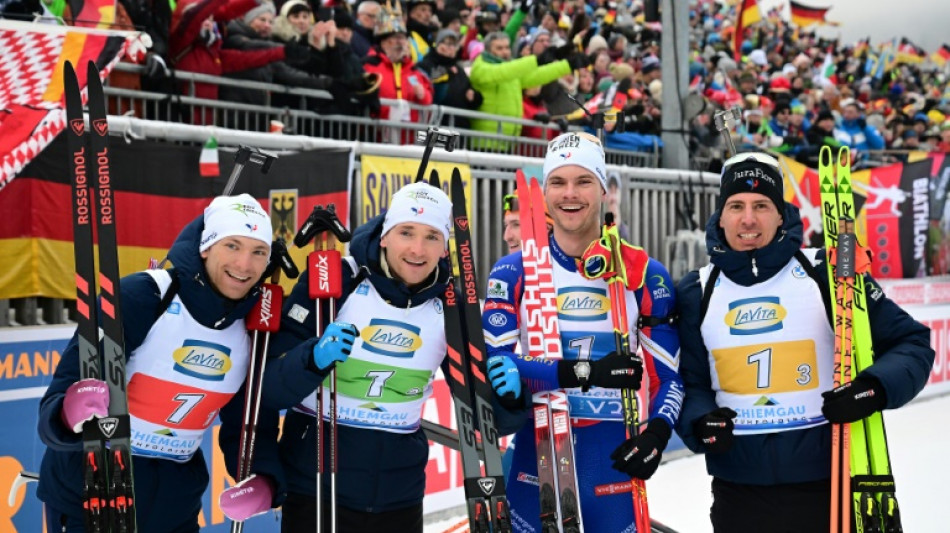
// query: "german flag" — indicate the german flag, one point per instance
point(747, 14)
point(941, 56)
point(804, 16)
point(93, 13)
point(154, 201)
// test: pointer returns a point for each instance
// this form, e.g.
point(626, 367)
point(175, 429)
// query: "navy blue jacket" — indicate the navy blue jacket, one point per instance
point(378, 470)
point(902, 365)
point(167, 494)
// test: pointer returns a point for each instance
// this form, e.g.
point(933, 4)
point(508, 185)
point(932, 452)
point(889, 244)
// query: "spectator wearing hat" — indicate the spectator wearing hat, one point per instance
point(861, 137)
point(501, 80)
point(421, 29)
point(400, 79)
point(295, 19)
point(251, 32)
point(650, 69)
point(944, 144)
point(196, 46)
point(362, 39)
point(788, 138)
point(748, 83)
point(450, 84)
point(821, 133)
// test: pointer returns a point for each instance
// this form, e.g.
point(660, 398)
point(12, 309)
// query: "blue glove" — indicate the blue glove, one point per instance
point(335, 345)
point(505, 380)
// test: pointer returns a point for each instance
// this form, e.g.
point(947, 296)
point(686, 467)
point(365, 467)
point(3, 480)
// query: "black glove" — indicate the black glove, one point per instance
point(542, 117)
point(561, 124)
point(155, 67)
point(613, 371)
point(578, 61)
point(715, 430)
point(564, 51)
point(640, 456)
point(862, 123)
point(296, 54)
point(853, 401)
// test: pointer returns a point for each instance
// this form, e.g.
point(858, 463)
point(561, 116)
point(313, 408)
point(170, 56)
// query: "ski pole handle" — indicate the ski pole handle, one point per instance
point(326, 279)
point(725, 120)
point(244, 155)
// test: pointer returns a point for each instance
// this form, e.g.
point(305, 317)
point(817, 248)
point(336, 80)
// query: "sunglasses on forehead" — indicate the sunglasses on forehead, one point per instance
point(510, 203)
point(758, 157)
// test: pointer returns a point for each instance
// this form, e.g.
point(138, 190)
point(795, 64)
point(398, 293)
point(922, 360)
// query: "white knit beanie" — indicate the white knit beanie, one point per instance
point(581, 149)
point(235, 216)
point(420, 203)
point(256, 11)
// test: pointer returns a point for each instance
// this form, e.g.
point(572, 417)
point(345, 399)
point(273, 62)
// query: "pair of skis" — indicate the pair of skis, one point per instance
point(107, 494)
point(862, 485)
point(557, 477)
point(485, 497)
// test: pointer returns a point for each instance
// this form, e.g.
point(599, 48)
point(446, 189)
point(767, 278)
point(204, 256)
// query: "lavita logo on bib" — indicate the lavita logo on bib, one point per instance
point(391, 338)
point(202, 360)
point(582, 304)
point(751, 316)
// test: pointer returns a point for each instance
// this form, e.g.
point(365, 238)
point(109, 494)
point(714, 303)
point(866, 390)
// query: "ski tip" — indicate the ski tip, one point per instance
point(844, 157)
point(824, 156)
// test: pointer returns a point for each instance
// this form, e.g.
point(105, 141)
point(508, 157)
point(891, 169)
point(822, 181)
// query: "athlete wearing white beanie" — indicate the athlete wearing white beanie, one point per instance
point(581, 149)
point(235, 216)
point(420, 203)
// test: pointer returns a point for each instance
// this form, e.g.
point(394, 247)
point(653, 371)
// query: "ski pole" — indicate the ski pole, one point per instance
point(264, 319)
point(325, 284)
point(433, 137)
point(630, 402)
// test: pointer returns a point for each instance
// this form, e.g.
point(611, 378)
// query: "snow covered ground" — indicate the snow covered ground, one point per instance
point(917, 434)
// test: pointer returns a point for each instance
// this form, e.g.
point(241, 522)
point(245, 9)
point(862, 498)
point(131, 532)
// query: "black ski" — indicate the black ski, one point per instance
point(485, 494)
point(107, 488)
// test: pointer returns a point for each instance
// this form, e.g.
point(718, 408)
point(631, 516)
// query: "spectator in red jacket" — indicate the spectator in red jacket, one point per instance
point(399, 78)
point(196, 46)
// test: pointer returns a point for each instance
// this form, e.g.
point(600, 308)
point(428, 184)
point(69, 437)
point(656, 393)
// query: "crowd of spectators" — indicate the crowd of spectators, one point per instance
point(555, 63)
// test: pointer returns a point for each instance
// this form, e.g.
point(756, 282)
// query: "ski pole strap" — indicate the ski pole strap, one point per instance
point(647, 321)
point(822, 282)
point(707, 292)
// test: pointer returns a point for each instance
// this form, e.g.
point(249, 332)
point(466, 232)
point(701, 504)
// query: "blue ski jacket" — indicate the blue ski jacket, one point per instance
point(167, 494)
point(378, 470)
point(902, 364)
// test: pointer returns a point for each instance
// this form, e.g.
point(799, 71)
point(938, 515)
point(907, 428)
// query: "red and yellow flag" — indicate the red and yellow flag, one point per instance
point(747, 14)
point(941, 56)
point(804, 16)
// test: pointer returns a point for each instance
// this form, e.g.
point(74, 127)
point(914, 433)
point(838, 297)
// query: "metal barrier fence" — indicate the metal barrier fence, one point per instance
point(651, 198)
point(301, 119)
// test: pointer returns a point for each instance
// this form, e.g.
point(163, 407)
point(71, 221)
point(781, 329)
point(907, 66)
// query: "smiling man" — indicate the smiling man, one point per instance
point(393, 283)
point(591, 371)
point(757, 355)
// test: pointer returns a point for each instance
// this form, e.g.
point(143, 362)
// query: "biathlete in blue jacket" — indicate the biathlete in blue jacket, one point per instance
point(575, 184)
point(218, 262)
point(757, 359)
point(391, 314)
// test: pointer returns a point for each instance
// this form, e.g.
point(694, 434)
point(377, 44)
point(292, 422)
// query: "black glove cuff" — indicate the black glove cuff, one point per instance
point(661, 430)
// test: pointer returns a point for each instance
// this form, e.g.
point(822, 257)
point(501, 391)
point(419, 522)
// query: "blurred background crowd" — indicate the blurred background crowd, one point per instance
point(555, 63)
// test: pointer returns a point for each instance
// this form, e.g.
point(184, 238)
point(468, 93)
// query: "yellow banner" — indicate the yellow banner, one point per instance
point(383, 176)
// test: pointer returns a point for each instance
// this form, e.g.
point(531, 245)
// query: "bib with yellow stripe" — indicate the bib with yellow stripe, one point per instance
point(770, 349)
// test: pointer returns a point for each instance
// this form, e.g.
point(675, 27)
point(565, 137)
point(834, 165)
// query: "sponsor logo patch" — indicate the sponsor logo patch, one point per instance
point(752, 316)
point(391, 338)
point(203, 360)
